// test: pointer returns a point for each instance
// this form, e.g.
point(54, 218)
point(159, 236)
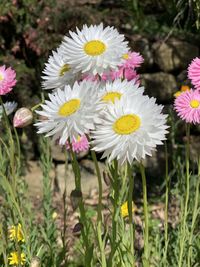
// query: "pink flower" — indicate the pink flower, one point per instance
point(131, 74)
point(90, 77)
point(132, 60)
point(80, 144)
point(106, 76)
point(7, 80)
point(116, 74)
point(127, 69)
point(187, 105)
point(194, 72)
point(124, 73)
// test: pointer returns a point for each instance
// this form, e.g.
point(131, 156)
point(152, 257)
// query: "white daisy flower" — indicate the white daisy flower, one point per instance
point(130, 129)
point(94, 49)
point(70, 112)
point(118, 89)
point(57, 72)
point(9, 108)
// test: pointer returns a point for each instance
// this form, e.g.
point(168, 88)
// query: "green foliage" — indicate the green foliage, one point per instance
point(154, 16)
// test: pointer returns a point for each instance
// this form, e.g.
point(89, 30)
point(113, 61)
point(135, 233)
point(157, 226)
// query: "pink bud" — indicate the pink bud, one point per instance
point(22, 117)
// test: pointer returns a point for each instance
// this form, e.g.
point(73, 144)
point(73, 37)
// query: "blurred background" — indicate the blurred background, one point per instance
point(165, 32)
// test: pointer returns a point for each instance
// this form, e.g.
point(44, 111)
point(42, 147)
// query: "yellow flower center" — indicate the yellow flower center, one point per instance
point(111, 96)
point(194, 103)
point(127, 124)
point(94, 48)
point(64, 69)
point(69, 107)
point(78, 139)
point(125, 56)
point(1, 77)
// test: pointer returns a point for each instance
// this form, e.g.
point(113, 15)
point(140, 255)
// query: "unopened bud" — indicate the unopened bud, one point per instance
point(75, 197)
point(77, 228)
point(54, 215)
point(22, 117)
point(35, 262)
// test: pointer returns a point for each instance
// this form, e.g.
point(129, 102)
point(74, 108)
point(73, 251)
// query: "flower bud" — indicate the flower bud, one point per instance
point(22, 117)
point(75, 198)
point(54, 215)
point(77, 228)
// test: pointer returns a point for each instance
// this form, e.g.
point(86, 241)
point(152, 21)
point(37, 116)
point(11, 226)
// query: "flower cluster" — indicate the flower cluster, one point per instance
point(16, 234)
point(97, 93)
point(187, 103)
point(93, 53)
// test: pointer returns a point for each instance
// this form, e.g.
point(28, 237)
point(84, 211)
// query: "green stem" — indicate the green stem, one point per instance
point(166, 204)
point(115, 208)
point(185, 214)
point(130, 209)
point(9, 190)
point(12, 147)
point(101, 245)
point(5, 115)
point(18, 146)
point(37, 106)
point(64, 237)
point(146, 218)
point(77, 174)
point(94, 158)
point(99, 211)
point(194, 216)
point(4, 246)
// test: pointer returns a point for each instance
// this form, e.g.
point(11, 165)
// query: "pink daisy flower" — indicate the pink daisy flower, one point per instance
point(125, 73)
point(7, 80)
point(127, 70)
point(122, 73)
point(194, 72)
point(187, 106)
point(132, 60)
point(80, 144)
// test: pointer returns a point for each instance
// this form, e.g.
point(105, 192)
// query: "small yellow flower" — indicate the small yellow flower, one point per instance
point(16, 233)
point(16, 258)
point(178, 93)
point(54, 215)
point(124, 209)
point(184, 88)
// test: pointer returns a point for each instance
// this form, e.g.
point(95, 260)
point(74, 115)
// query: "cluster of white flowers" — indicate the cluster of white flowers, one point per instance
point(122, 123)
